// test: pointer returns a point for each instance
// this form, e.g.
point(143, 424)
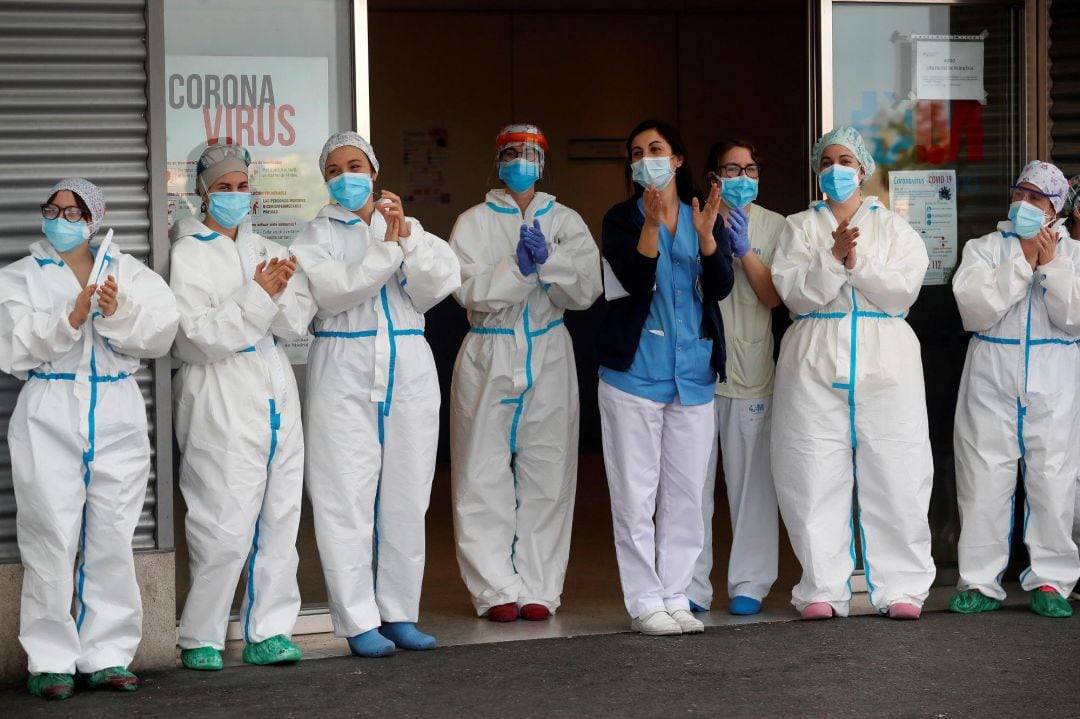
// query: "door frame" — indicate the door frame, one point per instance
point(1036, 79)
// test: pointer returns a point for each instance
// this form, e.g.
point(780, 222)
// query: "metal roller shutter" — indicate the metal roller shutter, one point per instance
point(1065, 85)
point(74, 103)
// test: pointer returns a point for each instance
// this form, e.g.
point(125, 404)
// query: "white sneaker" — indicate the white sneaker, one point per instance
point(655, 624)
point(687, 622)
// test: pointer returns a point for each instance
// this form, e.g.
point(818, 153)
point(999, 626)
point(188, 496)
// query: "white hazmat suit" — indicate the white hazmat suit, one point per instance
point(238, 425)
point(80, 453)
point(372, 418)
point(850, 410)
point(1019, 402)
point(514, 413)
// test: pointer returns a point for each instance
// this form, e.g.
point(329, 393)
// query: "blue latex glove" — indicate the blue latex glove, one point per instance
point(524, 258)
point(737, 230)
point(534, 239)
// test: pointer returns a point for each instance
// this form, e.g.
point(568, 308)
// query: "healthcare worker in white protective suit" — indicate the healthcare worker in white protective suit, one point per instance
point(1018, 290)
point(743, 402)
point(849, 401)
point(372, 415)
point(80, 452)
point(525, 259)
point(1071, 212)
point(237, 419)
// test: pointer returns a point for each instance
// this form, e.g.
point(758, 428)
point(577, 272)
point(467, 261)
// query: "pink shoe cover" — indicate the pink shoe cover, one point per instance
point(817, 610)
point(903, 610)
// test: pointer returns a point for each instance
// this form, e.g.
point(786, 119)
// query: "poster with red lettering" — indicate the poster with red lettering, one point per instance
point(276, 107)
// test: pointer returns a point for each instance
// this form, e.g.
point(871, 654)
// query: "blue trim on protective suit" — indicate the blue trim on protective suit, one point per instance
point(348, 223)
point(855, 315)
point(206, 238)
point(275, 425)
point(852, 367)
point(491, 331)
point(518, 401)
point(1031, 343)
point(547, 208)
point(42, 261)
point(88, 458)
point(500, 209)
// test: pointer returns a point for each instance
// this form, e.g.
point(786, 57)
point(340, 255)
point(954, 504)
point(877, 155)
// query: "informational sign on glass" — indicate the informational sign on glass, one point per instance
point(426, 157)
point(947, 69)
point(276, 107)
point(927, 200)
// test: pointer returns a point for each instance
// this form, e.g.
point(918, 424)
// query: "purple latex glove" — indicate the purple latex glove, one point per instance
point(524, 258)
point(534, 239)
point(738, 232)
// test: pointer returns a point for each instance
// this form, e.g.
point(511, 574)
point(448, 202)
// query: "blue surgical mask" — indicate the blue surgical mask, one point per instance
point(229, 208)
point(351, 190)
point(839, 182)
point(64, 235)
point(649, 171)
point(520, 174)
point(1027, 219)
point(738, 191)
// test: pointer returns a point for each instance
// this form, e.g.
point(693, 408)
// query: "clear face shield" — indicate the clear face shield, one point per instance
point(520, 158)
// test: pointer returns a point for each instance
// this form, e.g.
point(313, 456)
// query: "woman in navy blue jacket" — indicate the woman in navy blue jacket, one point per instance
point(667, 264)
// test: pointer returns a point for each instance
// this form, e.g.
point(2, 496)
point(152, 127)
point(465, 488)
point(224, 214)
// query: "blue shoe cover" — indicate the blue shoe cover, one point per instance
point(406, 636)
point(371, 644)
point(741, 605)
point(695, 607)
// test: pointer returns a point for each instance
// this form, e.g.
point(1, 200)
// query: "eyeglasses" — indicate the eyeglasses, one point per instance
point(1026, 194)
point(732, 170)
point(531, 153)
point(71, 214)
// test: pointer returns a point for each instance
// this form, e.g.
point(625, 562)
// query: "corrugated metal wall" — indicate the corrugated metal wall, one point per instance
point(1065, 85)
point(72, 103)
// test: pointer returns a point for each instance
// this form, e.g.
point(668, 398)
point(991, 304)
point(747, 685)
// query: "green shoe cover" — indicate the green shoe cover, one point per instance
point(1050, 604)
point(205, 659)
point(51, 686)
point(275, 650)
point(116, 678)
point(972, 601)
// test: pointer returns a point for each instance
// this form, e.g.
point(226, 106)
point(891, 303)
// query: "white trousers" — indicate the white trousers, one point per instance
point(73, 504)
point(514, 471)
point(369, 476)
point(656, 456)
point(993, 435)
point(742, 428)
point(829, 443)
point(243, 512)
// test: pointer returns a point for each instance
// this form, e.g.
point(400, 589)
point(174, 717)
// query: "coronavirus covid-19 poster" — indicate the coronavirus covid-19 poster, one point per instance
point(276, 107)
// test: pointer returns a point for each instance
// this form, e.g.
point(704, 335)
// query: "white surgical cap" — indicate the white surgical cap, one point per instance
point(848, 137)
point(343, 139)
